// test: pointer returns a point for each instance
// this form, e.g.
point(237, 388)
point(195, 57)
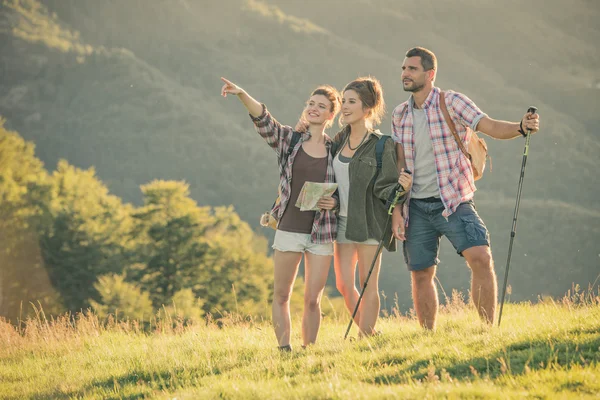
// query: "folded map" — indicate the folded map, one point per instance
point(311, 193)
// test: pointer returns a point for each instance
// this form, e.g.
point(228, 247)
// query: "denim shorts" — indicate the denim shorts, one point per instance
point(341, 233)
point(299, 243)
point(426, 225)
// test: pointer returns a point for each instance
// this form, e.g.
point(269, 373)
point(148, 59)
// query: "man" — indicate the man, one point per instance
point(443, 186)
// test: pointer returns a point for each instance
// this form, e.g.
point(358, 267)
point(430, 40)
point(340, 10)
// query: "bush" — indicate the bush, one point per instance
point(123, 299)
point(185, 306)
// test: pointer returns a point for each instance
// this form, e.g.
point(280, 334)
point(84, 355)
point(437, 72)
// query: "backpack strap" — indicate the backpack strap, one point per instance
point(295, 139)
point(379, 146)
point(379, 151)
point(452, 127)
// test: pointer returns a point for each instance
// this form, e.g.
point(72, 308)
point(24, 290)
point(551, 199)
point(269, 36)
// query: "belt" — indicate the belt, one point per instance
point(430, 199)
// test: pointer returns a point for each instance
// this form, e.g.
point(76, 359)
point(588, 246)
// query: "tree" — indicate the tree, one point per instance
point(24, 199)
point(212, 252)
point(87, 237)
point(170, 246)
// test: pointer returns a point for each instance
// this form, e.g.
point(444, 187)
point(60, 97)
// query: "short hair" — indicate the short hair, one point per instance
point(428, 59)
point(370, 92)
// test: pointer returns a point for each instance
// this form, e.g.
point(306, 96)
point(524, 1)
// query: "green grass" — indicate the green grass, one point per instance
point(547, 350)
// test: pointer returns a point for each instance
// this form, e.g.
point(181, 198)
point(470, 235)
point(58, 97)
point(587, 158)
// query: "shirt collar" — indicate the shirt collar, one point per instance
point(434, 94)
point(306, 135)
point(375, 132)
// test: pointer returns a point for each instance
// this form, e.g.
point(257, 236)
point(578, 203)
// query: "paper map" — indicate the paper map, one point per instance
point(311, 193)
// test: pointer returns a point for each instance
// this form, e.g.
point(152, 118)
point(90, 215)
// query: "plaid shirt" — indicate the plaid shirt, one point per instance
point(324, 228)
point(454, 175)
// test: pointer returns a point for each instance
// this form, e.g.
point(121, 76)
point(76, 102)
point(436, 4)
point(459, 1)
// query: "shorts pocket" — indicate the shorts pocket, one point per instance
point(474, 228)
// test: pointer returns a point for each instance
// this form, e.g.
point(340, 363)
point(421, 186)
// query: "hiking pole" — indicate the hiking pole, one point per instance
point(391, 203)
point(514, 225)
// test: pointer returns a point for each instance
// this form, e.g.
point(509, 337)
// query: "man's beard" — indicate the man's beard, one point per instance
point(414, 88)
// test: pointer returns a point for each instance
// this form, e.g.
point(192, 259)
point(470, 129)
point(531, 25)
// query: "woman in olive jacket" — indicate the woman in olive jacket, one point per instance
point(363, 191)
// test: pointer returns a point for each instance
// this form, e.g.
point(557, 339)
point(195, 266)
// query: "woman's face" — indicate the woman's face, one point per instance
point(318, 110)
point(352, 108)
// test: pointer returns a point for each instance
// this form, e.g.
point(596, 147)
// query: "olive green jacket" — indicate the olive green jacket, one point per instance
point(367, 213)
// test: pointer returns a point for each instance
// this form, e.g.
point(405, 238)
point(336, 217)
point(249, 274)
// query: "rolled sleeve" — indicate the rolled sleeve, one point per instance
point(466, 110)
point(261, 117)
point(397, 115)
point(276, 135)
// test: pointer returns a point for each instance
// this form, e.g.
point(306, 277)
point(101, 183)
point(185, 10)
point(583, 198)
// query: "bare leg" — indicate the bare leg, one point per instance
point(484, 288)
point(286, 268)
point(370, 303)
point(344, 263)
point(425, 296)
point(316, 269)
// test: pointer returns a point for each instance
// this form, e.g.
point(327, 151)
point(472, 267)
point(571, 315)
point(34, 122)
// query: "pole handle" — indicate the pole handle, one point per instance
point(532, 110)
point(396, 193)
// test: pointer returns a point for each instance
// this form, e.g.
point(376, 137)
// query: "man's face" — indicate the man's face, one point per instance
point(414, 77)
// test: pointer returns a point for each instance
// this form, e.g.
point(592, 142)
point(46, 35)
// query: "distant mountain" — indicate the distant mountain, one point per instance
point(132, 88)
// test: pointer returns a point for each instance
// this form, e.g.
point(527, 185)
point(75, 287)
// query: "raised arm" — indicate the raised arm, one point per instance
point(277, 136)
point(509, 130)
point(470, 115)
point(254, 107)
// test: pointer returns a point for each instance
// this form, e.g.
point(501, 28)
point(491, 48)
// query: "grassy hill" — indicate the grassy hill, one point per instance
point(132, 87)
point(547, 350)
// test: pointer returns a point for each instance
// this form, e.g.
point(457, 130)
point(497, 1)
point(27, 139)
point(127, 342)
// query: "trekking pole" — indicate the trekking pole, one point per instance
point(398, 191)
point(514, 225)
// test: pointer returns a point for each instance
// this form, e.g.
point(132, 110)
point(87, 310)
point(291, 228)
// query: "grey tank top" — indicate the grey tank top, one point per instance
point(342, 177)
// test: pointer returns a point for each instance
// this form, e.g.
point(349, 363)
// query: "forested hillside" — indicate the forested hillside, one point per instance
point(131, 88)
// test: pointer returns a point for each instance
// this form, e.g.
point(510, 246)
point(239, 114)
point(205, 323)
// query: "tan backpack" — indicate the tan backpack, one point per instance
point(478, 152)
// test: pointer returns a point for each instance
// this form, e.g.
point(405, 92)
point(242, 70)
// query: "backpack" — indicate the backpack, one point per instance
point(267, 218)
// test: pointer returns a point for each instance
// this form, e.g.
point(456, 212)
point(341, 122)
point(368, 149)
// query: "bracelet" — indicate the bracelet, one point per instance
point(520, 130)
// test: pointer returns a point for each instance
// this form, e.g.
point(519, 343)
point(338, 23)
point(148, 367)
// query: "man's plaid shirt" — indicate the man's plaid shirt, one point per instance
point(279, 136)
point(454, 175)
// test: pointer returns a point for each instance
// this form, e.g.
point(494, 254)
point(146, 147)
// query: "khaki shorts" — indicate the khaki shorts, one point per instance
point(299, 243)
